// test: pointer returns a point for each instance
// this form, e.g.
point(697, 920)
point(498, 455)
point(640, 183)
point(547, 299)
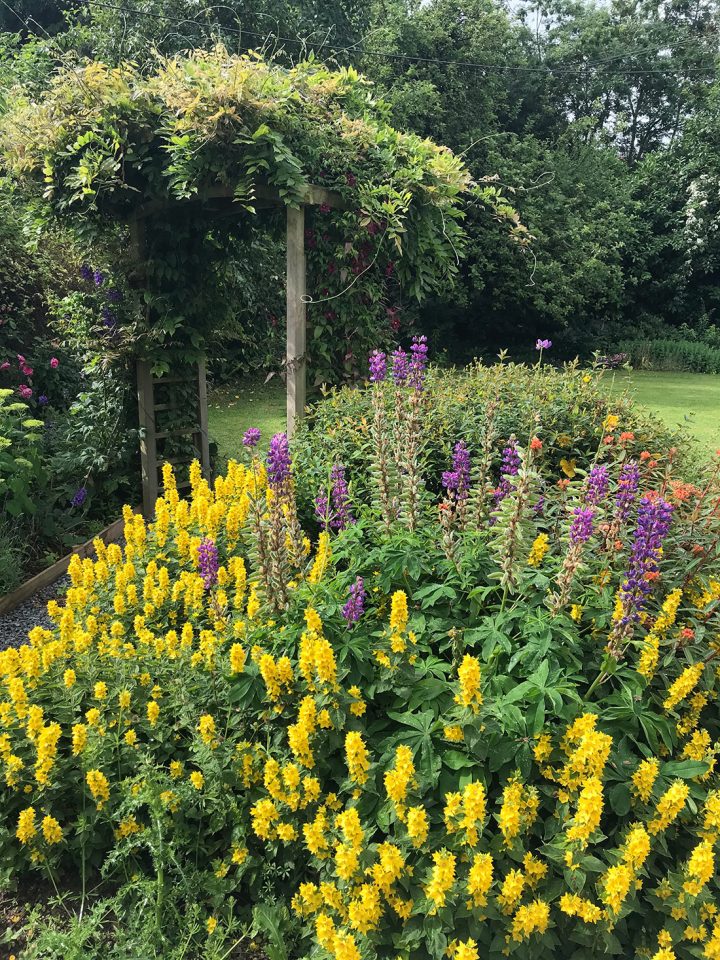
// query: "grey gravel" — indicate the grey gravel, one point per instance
point(14, 626)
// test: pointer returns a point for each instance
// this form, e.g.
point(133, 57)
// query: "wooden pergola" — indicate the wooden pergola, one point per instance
point(221, 200)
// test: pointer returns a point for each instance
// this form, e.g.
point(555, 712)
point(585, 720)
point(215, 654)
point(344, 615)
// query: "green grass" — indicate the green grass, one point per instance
point(690, 400)
point(235, 408)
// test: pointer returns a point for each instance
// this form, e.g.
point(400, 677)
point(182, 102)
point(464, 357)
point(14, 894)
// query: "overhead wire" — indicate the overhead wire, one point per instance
point(412, 58)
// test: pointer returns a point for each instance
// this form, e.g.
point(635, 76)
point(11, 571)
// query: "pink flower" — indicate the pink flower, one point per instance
point(25, 391)
point(54, 363)
point(5, 365)
point(20, 359)
point(26, 370)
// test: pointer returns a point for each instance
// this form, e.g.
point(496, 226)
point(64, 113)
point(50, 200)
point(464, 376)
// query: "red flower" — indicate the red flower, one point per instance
point(687, 634)
point(536, 443)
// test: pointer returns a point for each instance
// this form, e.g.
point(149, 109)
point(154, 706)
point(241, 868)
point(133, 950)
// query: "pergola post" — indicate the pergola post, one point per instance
point(296, 316)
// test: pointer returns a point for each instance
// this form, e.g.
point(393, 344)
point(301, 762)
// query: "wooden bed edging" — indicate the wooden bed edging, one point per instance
point(53, 573)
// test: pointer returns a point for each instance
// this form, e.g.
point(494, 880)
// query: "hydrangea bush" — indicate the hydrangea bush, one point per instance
point(474, 724)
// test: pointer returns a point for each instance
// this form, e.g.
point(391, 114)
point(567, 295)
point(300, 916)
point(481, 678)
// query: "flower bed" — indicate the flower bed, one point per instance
point(474, 724)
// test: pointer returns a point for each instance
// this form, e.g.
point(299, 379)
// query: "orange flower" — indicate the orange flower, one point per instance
point(627, 436)
point(536, 443)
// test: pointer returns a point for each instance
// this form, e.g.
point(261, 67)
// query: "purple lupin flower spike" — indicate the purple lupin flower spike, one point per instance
point(208, 562)
point(322, 506)
point(342, 517)
point(378, 366)
point(400, 367)
point(508, 468)
point(628, 483)
point(278, 462)
point(581, 527)
point(355, 606)
point(418, 362)
point(458, 479)
point(598, 481)
point(654, 519)
point(251, 437)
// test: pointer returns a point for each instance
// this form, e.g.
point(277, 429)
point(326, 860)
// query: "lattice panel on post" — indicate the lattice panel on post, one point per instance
point(174, 426)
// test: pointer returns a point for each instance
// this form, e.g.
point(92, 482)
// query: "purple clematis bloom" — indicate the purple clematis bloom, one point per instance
point(543, 344)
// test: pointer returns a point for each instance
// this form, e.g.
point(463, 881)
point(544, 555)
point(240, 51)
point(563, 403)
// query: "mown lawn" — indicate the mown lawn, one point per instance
point(689, 399)
point(235, 408)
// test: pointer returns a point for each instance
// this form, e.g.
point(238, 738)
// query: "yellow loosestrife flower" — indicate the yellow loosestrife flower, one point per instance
point(26, 829)
point(357, 757)
point(469, 694)
point(541, 545)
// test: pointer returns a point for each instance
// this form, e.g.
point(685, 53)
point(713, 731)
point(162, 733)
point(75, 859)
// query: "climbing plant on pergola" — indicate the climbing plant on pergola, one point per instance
point(182, 154)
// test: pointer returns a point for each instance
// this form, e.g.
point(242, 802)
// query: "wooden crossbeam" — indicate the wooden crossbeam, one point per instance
point(311, 196)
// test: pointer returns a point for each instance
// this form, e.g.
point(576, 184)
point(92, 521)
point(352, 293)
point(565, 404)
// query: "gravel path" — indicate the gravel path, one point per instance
point(14, 625)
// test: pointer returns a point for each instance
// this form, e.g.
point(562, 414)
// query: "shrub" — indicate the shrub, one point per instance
point(567, 406)
point(692, 356)
point(478, 727)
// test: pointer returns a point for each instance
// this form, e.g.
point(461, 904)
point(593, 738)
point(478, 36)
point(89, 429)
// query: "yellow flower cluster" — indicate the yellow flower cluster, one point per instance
point(540, 546)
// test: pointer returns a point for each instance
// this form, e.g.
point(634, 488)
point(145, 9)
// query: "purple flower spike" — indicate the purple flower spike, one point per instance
point(400, 367)
point(458, 479)
point(508, 468)
point(251, 437)
point(418, 362)
point(322, 506)
point(342, 517)
point(86, 272)
point(628, 483)
point(98, 277)
point(278, 462)
point(654, 519)
point(208, 562)
point(543, 344)
point(114, 295)
point(598, 481)
point(378, 366)
point(42, 400)
point(355, 606)
point(335, 510)
point(582, 526)
point(79, 497)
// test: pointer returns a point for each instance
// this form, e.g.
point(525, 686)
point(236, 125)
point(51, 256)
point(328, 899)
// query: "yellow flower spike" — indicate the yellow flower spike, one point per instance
point(442, 878)
point(52, 831)
point(99, 787)
point(357, 757)
point(26, 828)
point(539, 548)
point(469, 694)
